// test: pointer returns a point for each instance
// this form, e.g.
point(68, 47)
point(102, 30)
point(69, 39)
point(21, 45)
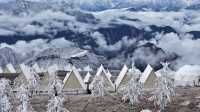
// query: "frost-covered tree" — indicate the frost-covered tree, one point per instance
point(56, 104)
point(23, 95)
point(133, 90)
point(55, 92)
point(165, 88)
point(55, 84)
point(5, 96)
point(98, 87)
point(33, 80)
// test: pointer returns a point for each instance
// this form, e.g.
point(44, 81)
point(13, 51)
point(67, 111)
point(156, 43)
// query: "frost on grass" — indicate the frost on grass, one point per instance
point(5, 96)
point(24, 101)
point(165, 88)
point(133, 90)
point(99, 88)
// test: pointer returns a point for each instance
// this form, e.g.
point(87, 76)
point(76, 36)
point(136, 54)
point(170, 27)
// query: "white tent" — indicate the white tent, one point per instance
point(123, 77)
point(23, 77)
point(10, 68)
point(101, 71)
point(148, 78)
point(187, 75)
point(73, 81)
point(25, 71)
point(87, 77)
point(37, 68)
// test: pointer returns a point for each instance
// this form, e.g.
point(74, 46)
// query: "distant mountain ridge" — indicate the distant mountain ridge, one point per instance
point(46, 33)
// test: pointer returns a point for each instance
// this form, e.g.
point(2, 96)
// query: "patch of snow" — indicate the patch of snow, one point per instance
point(81, 54)
point(198, 105)
point(198, 97)
point(146, 110)
point(185, 103)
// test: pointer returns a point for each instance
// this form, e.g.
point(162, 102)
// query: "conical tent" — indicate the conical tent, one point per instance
point(30, 75)
point(109, 84)
point(123, 78)
point(25, 70)
point(22, 78)
point(44, 81)
point(73, 81)
point(148, 78)
point(10, 68)
point(87, 77)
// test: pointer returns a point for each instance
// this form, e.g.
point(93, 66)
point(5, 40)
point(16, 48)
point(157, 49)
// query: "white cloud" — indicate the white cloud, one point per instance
point(38, 45)
point(6, 32)
point(32, 30)
point(182, 45)
point(146, 55)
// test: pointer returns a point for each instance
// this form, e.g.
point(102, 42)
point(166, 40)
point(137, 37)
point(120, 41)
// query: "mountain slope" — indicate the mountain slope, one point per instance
point(116, 36)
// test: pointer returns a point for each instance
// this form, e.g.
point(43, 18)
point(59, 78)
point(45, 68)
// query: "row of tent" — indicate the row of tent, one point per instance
point(79, 80)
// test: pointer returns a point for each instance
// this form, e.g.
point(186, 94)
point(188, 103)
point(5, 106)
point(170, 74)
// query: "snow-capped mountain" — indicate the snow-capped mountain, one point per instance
point(7, 55)
point(118, 35)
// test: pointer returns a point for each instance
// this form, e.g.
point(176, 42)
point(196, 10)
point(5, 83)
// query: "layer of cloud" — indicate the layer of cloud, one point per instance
point(38, 45)
point(183, 45)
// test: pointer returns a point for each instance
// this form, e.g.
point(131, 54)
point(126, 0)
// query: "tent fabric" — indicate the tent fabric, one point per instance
point(73, 80)
point(122, 79)
point(101, 71)
point(148, 78)
point(11, 68)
